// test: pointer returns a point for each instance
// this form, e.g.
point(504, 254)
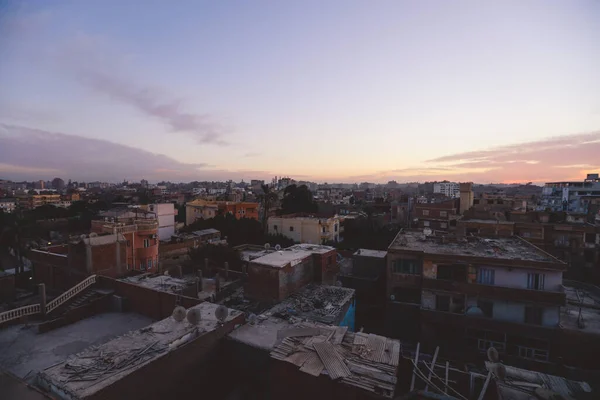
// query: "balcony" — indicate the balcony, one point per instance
point(497, 292)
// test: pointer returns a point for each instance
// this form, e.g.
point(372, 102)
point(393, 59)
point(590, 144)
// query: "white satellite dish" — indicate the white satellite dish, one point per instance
point(392, 297)
point(277, 247)
point(82, 237)
point(493, 355)
point(93, 234)
point(221, 313)
point(194, 316)
point(178, 313)
point(267, 246)
point(252, 319)
point(427, 231)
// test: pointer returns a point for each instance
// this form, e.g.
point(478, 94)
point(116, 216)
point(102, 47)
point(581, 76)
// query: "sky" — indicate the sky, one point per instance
point(333, 91)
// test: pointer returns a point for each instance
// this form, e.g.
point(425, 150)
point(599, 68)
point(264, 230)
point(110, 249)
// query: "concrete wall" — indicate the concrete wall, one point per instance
point(292, 278)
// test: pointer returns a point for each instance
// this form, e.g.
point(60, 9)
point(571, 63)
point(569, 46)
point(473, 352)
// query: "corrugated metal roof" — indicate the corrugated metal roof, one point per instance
point(336, 368)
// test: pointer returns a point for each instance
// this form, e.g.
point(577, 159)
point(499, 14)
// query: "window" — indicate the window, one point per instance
point(425, 212)
point(443, 213)
point(490, 201)
point(275, 227)
point(476, 201)
point(588, 255)
point(129, 243)
point(443, 225)
point(323, 230)
point(526, 234)
point(411, 267)
point(533, 354)
point(425, 223)
point(335, 228)
point(533, 315)
point(442, 303)
point(146, 242)
point(485, 276)
point(291, 229)
point(487, 307)
point(590, 238)
point(150, 264)
point(142, 266)
point(535, 281)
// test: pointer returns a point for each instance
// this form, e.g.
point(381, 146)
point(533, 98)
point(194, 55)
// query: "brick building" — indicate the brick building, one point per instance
point(437, 216)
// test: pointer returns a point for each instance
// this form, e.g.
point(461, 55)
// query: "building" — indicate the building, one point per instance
point(306, 228)
point(437, 216)
point(203, 209)
point(165, 215)
point(140, 229)
point(448, 189)
point(570, 196)
point(8, 205)
point(36, 200)
point(466, 196)
point(472, 293)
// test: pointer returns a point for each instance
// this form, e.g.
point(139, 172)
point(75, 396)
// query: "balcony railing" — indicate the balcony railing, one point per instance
point(557, 297)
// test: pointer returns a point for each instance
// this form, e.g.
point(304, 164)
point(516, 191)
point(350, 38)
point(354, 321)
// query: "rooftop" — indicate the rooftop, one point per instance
point(588, 320)
point(371, 253)
point(366, 361)
point(164, 283)
point(281, 258)
point(97, 367)
point(208, 231)
point(512, 248)
point(24, 352)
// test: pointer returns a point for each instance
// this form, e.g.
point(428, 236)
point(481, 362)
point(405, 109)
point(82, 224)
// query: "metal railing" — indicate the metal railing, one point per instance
point(20, 312)
point(75, 290)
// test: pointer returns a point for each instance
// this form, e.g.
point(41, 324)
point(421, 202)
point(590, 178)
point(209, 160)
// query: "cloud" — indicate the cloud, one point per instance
point(96, 65)
point(251, 154)
point(31, 154)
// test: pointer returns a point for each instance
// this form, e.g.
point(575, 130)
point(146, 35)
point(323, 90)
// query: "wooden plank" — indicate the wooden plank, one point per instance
point(412, 381)
point(437, 349)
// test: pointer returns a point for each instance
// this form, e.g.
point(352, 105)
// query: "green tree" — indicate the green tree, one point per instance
point(267, 199)
point(298, 199)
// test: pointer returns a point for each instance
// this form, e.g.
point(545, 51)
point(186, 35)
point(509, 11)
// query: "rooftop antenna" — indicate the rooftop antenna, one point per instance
point(221, 313)
point(178, 313)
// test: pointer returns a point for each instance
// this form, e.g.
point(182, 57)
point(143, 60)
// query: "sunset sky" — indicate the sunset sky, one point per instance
point(486, 91)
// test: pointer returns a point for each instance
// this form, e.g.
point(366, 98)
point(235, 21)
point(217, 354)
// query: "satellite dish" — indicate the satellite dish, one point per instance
point(474, 311)
point(267, 246)
point(82, 237)
point(252, 319)
point(178, 313)
point(392, 297)
point(493, 355)
point(427, 231)
point(93, 234)
point(221, 313)
point(338, 284)
point(194, 316)
point(277, 247)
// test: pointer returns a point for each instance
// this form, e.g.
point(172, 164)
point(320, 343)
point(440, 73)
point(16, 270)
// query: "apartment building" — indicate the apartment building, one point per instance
point(36, 200)
point(165, 215)
point(140, 230)
point(570, 196)
point(306, 228)
point(8, 205)
point(437, 216)
point(472, 293)
point(204, 209)
point(448, 189)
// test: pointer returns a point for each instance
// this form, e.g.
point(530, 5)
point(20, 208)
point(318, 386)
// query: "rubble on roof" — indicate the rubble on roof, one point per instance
point(366, 361)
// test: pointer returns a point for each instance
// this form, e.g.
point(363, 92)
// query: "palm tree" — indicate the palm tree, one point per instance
point(267, 199)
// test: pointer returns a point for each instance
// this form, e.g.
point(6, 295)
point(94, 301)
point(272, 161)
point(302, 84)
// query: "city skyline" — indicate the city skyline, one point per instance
point(344, 92)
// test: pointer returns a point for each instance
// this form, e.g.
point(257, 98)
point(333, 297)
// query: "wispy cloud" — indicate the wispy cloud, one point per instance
point(97, 66)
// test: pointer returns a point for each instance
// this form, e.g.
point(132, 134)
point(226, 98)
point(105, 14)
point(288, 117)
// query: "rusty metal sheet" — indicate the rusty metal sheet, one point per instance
point(335, 365)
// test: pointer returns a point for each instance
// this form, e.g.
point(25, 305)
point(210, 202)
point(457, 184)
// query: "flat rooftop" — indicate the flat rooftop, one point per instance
point(370, 253)
point(313, 248)
point(589, 320)
point(163, 283)
point(499, 248)
point(281, 258)
point(366, 361)
point(97, 367)
point(24, 352)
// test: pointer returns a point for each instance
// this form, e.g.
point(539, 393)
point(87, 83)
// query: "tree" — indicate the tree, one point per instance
point(298, 199)
point(267, 198)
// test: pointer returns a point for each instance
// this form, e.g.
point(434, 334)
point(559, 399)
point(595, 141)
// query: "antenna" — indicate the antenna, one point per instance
point(267, 246)
point(277, 247)
point(194, 316)
point(178, 313)
point(221, 313)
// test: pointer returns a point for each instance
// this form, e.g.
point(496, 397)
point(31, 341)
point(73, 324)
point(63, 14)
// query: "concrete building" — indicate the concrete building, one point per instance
point(305, 228)
point(203, 209)
point(437, 216)
point(448, 189)
point(165, 215)
point(36, 200)
point(503, 292)
point(570, 196)
point(7, 204)
point(466, 196)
